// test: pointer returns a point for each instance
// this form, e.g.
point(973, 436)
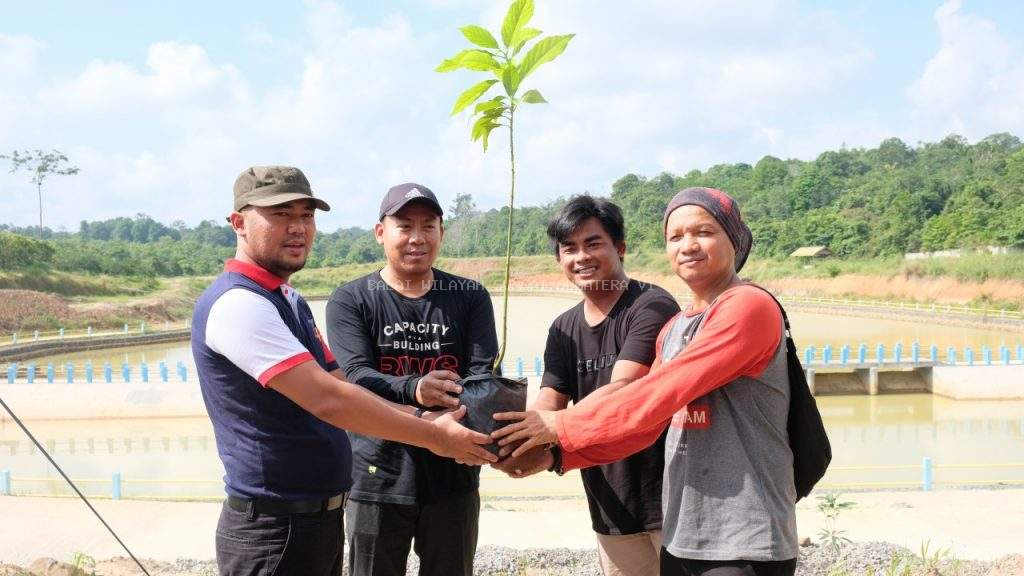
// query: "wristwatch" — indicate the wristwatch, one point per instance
point(556, 459)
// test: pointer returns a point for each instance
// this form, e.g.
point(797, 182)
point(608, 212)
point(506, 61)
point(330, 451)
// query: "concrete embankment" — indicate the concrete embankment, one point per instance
point(979, 382)
point(959, 382)
point(36, 349)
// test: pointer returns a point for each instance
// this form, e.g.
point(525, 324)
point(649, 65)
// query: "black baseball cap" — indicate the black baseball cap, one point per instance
point(399, 196)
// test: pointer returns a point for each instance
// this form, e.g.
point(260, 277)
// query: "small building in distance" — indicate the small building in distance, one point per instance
point(811, 252)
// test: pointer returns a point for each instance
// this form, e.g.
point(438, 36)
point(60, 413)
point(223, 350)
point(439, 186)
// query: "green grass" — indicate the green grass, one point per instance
point(650, 262)
point(968, 268)
point(319, 282)
point(489, 271)
point(72, 284)
point(972, 268)
point(180, 292)
point(46, 300)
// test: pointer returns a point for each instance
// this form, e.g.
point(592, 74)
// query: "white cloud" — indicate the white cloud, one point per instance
point(257, 35)
point(175, 74)
point(665, 85)
point(344, 117)
point(682, 160)
point(449, 4)
point(17, 56)
point(644, 87)
point(974, 83)
point(853, 130)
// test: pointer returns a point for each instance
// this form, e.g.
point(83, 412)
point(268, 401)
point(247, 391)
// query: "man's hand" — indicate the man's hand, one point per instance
point(453, 440)
point(536, 460)
point(536, 427)
point(436, 388)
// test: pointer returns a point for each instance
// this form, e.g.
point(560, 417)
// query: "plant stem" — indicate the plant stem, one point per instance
point(39, 190)
point(508, 246)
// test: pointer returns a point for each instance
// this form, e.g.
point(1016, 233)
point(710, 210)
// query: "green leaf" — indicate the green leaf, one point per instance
point(544, 51)
point(493, 103)
point(519, 13)
point(479, 60)
point(448, 65)
point(494, 112)
point(482, 129)
point(487, 134)
point(533, 97)
point(479, 125)
point(479, 36)
point(522, 37)
point(471, 95)
point(510, 79)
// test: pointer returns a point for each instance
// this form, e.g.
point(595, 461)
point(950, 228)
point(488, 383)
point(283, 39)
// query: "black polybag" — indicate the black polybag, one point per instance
point(483, 395)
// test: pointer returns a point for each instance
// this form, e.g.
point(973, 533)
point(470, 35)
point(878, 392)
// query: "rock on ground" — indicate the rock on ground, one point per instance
point(51, 567)
point(1012, 565)
point(853, 559)
point(11, 570)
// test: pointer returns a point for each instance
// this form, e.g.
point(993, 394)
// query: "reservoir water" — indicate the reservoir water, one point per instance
point(877, 440)
point(530, 317)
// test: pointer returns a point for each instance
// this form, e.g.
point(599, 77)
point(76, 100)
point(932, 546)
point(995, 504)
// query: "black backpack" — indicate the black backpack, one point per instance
point(808, 441)
point(812, 451)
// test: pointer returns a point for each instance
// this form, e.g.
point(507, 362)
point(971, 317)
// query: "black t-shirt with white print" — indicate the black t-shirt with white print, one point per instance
point(625, 496)
point(385, 342)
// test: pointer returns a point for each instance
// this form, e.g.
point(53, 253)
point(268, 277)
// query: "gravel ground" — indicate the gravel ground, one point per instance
point(881, 558)
point(854, 559)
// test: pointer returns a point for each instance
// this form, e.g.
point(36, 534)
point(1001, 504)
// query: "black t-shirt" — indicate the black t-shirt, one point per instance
point(625, 496)
point(385, 342)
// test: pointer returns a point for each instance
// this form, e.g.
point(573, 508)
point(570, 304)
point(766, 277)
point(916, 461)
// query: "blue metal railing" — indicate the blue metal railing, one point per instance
point(519, 366)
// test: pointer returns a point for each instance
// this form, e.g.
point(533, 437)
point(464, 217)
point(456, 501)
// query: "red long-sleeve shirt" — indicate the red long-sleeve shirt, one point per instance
point(739, 338)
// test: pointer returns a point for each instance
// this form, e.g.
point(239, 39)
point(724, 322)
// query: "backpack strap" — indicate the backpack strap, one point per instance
point(785, 317)
point(808, 439)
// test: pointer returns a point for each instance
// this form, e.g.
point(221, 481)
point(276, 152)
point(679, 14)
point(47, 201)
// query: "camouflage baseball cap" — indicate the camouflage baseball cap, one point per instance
point(273, 185)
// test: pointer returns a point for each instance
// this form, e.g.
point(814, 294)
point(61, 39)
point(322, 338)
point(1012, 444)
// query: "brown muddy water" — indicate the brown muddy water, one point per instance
point(878, 442)
point(530, 317)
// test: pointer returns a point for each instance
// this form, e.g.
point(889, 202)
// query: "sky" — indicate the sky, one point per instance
point(162, 104)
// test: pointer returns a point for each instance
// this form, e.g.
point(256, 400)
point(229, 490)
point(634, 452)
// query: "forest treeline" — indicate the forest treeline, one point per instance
point(859, 202)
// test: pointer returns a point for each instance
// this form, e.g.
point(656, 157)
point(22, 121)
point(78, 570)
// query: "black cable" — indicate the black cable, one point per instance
point(72, 484)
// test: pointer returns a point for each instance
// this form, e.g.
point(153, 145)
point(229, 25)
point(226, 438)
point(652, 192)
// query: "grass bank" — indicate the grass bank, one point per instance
point(970, 268)
point(46, 299)
point(320, 282)
point(73, 284)
point(979, 280)
point(49, 300)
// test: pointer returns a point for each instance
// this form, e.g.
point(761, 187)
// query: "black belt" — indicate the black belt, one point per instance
point(269, 507)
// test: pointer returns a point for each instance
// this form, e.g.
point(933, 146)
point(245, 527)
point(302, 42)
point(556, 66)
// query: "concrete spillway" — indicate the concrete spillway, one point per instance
point(960, 382)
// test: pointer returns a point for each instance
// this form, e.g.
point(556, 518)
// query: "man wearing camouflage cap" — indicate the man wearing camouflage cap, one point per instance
point(277, 400)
